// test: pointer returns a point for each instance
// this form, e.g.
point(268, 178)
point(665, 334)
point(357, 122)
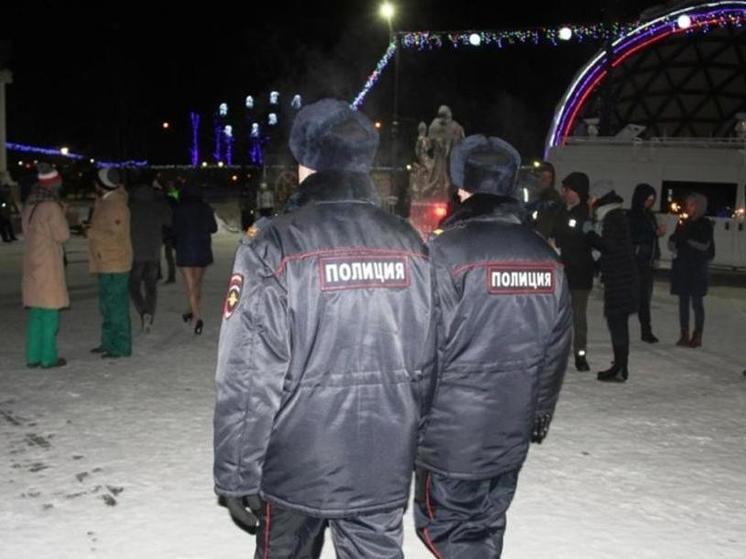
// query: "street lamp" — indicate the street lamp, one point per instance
point(387, 11)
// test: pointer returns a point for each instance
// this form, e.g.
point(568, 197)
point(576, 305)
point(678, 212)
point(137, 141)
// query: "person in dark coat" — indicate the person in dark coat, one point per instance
point(504, 335)
point(693, 246)
point(618, 274)
point(323, 359)
point(576, 255)
point(193, 224)
point(645, 231)
point(170, 194)
point(149, 216)
point(544, 210)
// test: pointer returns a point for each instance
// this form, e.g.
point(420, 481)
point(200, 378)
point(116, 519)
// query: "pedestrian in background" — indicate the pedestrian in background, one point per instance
point(693, 247)
point(149, 217)
point(645, 231)
point(193, 225)
point(110, 253)
point(44, 287)
point(618, 274)
point(576, 255)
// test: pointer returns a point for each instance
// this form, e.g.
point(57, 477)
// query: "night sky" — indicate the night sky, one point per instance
point(104, 87)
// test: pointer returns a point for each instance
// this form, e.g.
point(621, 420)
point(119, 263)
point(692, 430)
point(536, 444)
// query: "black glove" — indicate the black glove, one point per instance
point(246, 511)
point(541, 427)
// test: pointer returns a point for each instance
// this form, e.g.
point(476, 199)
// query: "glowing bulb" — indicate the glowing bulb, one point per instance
point(166, 125)
point(204, 163)
point(565, 33)
point(386, 10)
point(378, 125)
point(220, 163)
point(65, 151)
point(684, 21)
point(572, 223)
point(440, 210)
point(475, 40)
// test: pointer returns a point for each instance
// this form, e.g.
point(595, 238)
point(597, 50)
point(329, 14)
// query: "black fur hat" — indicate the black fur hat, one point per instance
point(329, 135)
point(488, 165)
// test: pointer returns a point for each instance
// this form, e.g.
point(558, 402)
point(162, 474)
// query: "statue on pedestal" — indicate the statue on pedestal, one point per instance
point(429, 179)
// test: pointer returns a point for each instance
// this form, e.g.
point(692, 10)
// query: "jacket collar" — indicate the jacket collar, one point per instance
point(604, 210)
point(486, 206)
point(334, 186)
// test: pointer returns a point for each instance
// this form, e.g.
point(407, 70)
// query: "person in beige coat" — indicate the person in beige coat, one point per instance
point(110, 257)
point(44, 288)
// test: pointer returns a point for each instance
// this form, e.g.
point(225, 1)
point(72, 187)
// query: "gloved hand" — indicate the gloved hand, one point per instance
point(541, 427)
point(246, 511)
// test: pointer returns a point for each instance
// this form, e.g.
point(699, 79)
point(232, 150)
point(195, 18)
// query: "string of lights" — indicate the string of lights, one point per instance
point(65, 152)
point(429, 40)
point(375, 75)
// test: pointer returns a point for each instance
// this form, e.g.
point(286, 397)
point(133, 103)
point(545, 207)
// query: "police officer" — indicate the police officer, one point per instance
point(544, 208)
point(321, 356)
point(504, 332)
point(576, 253)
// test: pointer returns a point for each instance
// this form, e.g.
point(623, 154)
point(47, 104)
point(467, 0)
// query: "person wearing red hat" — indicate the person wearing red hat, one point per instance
point(44, 288)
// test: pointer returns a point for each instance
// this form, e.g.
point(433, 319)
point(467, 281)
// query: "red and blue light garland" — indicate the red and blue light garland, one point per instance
point(699, 18)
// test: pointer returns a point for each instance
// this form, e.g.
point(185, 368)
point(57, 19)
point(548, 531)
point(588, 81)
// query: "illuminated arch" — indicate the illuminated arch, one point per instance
point(696, 18)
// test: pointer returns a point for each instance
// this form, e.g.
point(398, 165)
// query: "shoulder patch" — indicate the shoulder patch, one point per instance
point(232, 298)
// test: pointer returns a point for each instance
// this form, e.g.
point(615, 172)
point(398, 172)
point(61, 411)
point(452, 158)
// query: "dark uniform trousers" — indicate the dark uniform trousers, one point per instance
point(462, 519)
point(287, 534)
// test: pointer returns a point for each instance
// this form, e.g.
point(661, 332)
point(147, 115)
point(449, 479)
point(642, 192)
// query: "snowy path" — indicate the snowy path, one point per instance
point(113, 459)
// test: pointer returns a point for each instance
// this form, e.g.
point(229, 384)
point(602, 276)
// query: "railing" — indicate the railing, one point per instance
point(734, 143)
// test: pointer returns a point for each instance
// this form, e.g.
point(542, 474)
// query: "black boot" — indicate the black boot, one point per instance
point(618, 371)
point(647, 336)
point(581, 363)
point(684, 338)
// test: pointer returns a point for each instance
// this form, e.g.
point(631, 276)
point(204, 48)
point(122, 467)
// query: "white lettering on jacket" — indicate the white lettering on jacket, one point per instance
point(360, 272)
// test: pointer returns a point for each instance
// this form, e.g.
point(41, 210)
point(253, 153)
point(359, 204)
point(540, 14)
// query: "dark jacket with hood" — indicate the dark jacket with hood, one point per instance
point(504, 333)
point(193, 224)
point(618, 269)
point(149, 214)
point(693, 246)
point(575, 248)
point(643, 228)
point(322, 354)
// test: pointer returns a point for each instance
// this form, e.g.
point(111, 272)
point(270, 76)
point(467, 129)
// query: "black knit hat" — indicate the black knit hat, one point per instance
point(579, 183)
point(329, 135)
point(488, 165)
point(108, 178)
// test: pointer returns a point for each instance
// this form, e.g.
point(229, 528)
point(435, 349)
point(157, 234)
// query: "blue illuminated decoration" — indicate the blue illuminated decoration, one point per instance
point(195, 138)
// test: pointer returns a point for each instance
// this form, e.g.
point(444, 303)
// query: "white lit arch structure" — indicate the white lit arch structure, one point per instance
point(680, 74)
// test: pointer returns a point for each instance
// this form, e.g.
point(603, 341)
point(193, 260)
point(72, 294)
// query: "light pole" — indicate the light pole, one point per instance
point(387, 11)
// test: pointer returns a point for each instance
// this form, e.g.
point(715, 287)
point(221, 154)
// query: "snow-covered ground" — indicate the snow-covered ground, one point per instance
point(113, 459)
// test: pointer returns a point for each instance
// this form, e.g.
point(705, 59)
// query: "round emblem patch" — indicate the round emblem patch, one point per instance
point(235, 286)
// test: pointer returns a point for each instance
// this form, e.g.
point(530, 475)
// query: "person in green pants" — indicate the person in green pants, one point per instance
point(44, 288)
point(110, 256)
